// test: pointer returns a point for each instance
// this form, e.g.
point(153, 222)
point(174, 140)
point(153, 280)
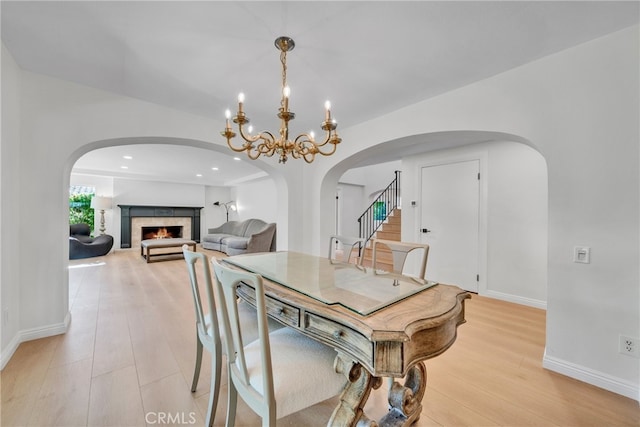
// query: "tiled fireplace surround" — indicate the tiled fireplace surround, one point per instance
point(133, 218)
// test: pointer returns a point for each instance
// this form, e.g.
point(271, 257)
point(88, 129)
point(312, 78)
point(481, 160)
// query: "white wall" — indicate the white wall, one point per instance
point(257, 199)
point(214, 216)
point(517, 224)
point(10, 223)
point(580, 109)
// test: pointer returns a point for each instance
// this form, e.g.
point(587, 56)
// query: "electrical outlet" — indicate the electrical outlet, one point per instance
point(629, 346)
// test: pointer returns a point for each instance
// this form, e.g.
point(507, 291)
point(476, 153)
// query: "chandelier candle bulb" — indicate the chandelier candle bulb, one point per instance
point(227, 114)
point(240, 101)
point(327, 106)
point(285, 93)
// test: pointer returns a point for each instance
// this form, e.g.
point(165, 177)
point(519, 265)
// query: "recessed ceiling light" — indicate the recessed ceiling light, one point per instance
point(236, 158)
point(127, 157)
point(199, 175)
point(124, 167)
point(214, 169)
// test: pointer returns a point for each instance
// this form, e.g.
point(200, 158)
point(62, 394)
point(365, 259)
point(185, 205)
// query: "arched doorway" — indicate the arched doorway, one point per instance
point(512, 232)
point(258, 177)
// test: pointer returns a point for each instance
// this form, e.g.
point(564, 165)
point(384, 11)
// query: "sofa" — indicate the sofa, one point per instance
point(82, 245)
point(240, 237)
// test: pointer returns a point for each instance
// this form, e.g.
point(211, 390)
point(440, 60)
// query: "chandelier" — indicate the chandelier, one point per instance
point(303, 146)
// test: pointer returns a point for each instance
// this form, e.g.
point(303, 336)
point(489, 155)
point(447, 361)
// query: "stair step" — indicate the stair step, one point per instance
point(388, 235)
point(393, 219)
point(389, 226)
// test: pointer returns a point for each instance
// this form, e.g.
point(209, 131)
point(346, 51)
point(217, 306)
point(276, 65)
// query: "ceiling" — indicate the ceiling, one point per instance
point(368, 58)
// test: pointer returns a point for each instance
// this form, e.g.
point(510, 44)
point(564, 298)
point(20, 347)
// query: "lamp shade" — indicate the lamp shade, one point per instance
point(101, 203)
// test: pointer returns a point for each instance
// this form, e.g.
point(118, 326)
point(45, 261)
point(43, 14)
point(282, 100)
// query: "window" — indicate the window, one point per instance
point(80, 205)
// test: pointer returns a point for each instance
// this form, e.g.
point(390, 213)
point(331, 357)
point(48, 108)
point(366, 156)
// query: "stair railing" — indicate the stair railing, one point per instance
point(380, 209)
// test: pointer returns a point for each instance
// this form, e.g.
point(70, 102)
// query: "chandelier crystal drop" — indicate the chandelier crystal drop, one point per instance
point(303, 146)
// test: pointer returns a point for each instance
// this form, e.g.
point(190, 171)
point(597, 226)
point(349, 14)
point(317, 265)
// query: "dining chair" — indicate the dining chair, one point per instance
point(209, 334)
point(399, 253)
point(342, 248)
point(280, 373)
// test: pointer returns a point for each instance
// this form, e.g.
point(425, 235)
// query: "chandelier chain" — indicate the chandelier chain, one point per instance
point(283, 60)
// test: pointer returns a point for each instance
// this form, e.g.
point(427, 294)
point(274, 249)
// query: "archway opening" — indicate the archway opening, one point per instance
point(260, 190)
point(512, 232)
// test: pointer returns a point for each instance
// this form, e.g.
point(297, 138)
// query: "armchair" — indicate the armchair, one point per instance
point(82, 245)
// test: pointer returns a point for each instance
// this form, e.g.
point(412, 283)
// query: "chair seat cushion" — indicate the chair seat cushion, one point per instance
point(82, 238)
point(236, 242)
point(216, 237)
point(303, 372)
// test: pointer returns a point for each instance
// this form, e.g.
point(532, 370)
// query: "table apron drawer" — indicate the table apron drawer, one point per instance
point(285, 313)
point(341, 336)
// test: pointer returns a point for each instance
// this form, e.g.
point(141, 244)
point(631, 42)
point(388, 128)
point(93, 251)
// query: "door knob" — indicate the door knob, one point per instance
point(426, 230)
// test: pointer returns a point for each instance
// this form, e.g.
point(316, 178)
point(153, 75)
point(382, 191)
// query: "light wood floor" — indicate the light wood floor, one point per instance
point(128, 358)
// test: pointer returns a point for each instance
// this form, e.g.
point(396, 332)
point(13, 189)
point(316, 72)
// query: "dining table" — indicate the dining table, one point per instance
point(381, 324)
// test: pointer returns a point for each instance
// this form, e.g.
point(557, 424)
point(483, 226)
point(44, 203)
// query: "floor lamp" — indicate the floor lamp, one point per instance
point(101, 203)
point(228, 205)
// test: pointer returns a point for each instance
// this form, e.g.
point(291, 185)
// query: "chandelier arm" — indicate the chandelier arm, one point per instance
point(328, 153)
point(309, 157)
point(268, 145)
point(245, 146)
point(330, 137)
point(253, 156)
point(248, 138)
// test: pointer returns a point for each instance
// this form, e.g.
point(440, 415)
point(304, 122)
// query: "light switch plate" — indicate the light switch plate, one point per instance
point(582, 254)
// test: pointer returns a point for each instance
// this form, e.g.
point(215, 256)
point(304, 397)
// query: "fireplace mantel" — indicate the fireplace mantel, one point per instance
point(129, 211)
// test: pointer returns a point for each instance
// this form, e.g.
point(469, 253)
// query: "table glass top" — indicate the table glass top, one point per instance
point(359, 289)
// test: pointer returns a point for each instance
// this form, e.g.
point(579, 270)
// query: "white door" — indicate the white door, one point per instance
point(449, 222)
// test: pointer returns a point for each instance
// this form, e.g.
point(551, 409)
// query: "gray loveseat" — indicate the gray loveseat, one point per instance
point(239, 237)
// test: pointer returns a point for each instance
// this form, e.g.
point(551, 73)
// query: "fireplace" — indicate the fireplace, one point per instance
point(161, 232)
point(181, 222)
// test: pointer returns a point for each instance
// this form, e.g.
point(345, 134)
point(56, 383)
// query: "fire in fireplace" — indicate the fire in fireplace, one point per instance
point(162, 232)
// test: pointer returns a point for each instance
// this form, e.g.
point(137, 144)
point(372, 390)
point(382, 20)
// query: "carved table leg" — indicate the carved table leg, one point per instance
point(350, 410)
point(406, 401)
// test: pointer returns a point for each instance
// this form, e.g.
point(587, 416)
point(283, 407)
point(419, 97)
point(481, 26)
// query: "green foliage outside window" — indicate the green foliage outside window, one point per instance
point(80, 209)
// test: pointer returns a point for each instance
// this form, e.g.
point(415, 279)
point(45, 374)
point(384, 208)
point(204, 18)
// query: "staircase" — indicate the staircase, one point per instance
point(382, 220)
point(389, 230)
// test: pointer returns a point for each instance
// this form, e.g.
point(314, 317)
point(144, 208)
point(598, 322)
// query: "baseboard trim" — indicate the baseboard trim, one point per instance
point(596, 378)
point(33, 334)
point(7, 353)
point(516, 299)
